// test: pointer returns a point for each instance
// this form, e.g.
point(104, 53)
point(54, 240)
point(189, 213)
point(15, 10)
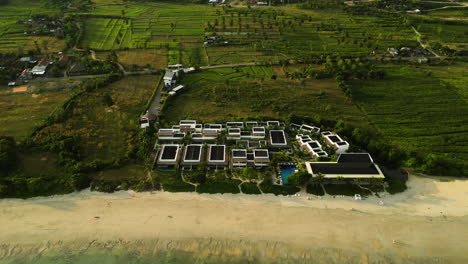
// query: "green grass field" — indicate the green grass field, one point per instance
point(106, 132)
point(416, 109)
point(249, 91)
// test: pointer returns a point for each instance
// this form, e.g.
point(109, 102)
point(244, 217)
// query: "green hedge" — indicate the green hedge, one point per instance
point(278, 189)
point(315, 189)
point(250, 188)
point(219, 186)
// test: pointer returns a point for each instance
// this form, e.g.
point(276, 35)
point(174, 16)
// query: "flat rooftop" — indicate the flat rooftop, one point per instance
point(261, 153)
point(169, 152)
point(334, 139)
point(217, 152)
point(277, 137)
point(354, 158)
point(344, 168)
point(313, 145)
point(239, 153)
point(193, 153)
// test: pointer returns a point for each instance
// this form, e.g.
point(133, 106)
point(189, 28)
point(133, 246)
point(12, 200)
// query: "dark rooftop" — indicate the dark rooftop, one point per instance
point(261, 153)
point(277, 137)
point(217, 153)
point(179, 135)
point(344, 168)
point(334, 138)
point(354, 158)
point(239, 153)
point(259, 129)
point(169, 153)
point(245, 133)
point(250, 156)
point(313, 145)
point(192, 152)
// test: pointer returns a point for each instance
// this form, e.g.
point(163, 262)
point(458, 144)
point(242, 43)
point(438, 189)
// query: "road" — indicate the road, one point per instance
point(155, 106)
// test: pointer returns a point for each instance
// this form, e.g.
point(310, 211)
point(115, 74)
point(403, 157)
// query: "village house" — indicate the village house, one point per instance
point(170, 78)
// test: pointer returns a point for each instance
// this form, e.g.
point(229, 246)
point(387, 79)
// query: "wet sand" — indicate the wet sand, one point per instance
point(426, 224)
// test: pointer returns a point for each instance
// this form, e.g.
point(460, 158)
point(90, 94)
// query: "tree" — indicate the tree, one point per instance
point(299, 178)
point(318, 180)
point(249, 173)
point(8, 156)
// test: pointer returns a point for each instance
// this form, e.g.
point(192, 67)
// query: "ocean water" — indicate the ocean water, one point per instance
point(198, 251)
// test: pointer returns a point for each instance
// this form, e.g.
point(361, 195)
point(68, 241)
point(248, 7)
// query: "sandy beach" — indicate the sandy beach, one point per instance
point(426, 224)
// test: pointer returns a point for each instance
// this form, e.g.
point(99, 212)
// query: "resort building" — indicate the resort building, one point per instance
point(273, 123)
point(189, 126)
point(310, 129)
point(278, 139)
point(168, 156)
point(218, 127)
point(235, 124)
point(313, 147)
point(192, 157)
point(207, 135)
point(239, 158)
point(217, 159)
point(168, 134)
point(261, 157)
point(258, 132)
point(348, 167)
point(335, 141)
point(251, 123)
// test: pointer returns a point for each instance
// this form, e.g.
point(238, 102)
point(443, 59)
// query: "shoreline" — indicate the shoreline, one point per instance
point(256, 226)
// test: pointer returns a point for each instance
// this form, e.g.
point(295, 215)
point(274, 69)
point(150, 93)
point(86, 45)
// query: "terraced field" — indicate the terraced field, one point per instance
point(12, 33)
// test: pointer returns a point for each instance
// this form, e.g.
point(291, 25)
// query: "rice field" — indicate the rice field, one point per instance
point(12, 33)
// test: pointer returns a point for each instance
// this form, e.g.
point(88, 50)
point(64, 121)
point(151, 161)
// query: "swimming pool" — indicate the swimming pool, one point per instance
point(286, 171)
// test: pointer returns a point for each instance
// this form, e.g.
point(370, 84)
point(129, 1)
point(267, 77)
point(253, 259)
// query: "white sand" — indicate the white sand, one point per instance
point(428, 220)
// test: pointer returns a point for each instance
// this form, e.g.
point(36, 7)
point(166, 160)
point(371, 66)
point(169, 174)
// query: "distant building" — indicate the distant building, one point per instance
point(77, 69)
point(170, 78)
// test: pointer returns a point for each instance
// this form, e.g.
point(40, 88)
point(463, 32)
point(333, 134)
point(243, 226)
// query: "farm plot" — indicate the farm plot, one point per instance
point(416, 111)
point(286, 32)
point(105, 34)
point(250, 92)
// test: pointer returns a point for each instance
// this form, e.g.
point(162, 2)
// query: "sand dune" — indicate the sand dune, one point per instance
point(428, 223)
